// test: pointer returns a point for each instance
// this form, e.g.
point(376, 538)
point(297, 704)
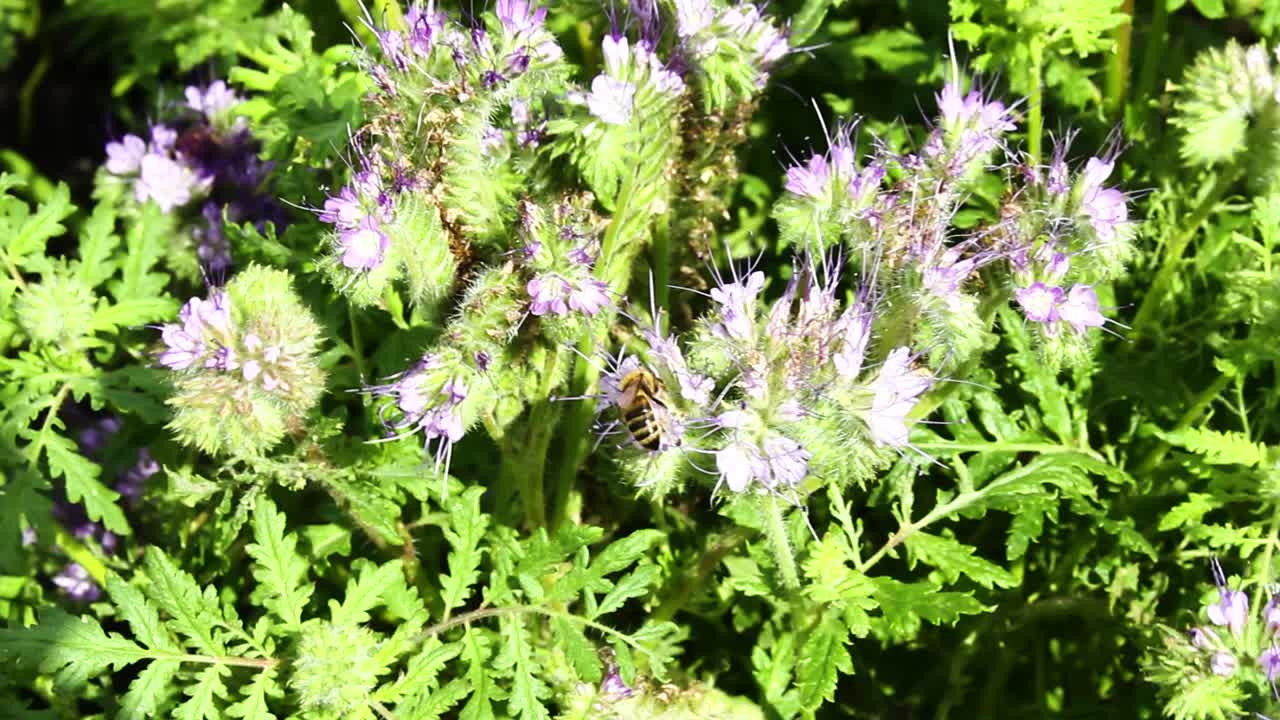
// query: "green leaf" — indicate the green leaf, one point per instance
point(465, 530)
point(133, 313)
point(192, 613)
point(142, 616)
point(431, 705)
point(1188, 512)
point(527, 690)
point(97, 243)
point(905, 605)
point(150, 691)
point(75, 648)
point(364, 592)
point(146, 242)
point(1212, 9)
point(581, 653)
point(953, 559)
point(476, 651)
point(1218, 448)
point(81, 476)
point(22, 235)
point(892, 49)
point(254, 704)
point(637, 583)
point(202, 702)
point(278, 566)
point(822, 655)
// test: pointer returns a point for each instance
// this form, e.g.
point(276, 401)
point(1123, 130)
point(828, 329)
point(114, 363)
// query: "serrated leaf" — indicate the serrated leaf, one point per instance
point(254, 704)
point(149, 692)
point(31, 235)
point(74, 648)
point(133, 313)
point(278, 566)
point(905, 605)
point(953, 559)
point(142, 616)
point(1218, 448)
point(364, 592)
point(476, 652)
point(431, 705)
point(1188, 512)
point(202, 703)
point(464, 533)
point(97, 242)
point(821, 656)
point(637, 583)
point(192, 613)
point(580, 652)
point(146, 242)
point(527, 690)
point(82, 486)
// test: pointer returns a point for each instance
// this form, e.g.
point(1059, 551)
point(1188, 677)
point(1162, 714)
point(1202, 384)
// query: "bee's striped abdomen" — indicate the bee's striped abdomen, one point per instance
point(643, 426)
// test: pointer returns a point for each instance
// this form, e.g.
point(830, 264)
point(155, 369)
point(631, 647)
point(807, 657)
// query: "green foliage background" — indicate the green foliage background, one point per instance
point(1026, 573)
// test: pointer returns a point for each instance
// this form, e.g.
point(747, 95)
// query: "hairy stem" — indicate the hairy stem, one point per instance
point(357, 348)
point(1035, 102)
point(784, 554)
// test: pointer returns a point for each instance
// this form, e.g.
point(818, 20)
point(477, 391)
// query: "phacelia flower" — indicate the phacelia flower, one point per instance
point(1269, 661)
point(166, 181)
point(809, 180)
point(1232, 608)
point(1223, 663)
point(75, 583)
point(125, 157)
point(896, 388)
point(428, 398)
point(737, 307)
point(213, 100)
point(611, 100)
point(548, 296)
point(1106, 209)
point(363, 246)
point(588, 296)
point(1080, 309)
point(1040, 302)
point(693, 16)
point(520, 16)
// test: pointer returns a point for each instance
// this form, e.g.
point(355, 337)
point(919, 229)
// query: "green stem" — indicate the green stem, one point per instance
point(1153, 58)
point(357, 348)
point(1173, 252)
point(534, 463)
point(661, 265)
point(1267, 553)
point(467, 618)
point(776, 527)
point(1118, 64)
point(1035, 112)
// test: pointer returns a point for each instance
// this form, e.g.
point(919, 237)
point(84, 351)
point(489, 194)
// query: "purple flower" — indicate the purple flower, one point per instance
point(429, 398)
point(364, 246)
point(163, 138)
point(613, 687)
point(1271, 614)
point(1269, 661)
point(425, 24)
point(809, 180)
point(343, 210)
point(1224, 663)
point(737, 307)
point(588, 296)
point(1080, 309)
point(169, 183)
point(1058, 182)
point(520, 16)
point(693, 16)
point(74, 582)
point(617, 53)
point(183, 348)
point(739, 464)
point(1232, 608)
point(125, 157)
point(947, 273)
point(896, 389)
point(213, 100)
point(549, 295)
point(611, 100)
point(1040, 302)
point(854, 332)
point(392, 43)
point(94, 437)
point(1105, 208)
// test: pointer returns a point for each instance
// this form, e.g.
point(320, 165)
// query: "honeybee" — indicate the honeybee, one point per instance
point(640, 403)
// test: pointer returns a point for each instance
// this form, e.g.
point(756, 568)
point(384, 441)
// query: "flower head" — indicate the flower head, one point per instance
point(169, 183)
point(364, 246)
point(1232, 608)
point(1040, 302)
point(1106, 209)
point(896, 388)
point(212, 100)
point(520, 16)
point(74, 582)
point(737, 307)
point(809, 180)
point(125, 157)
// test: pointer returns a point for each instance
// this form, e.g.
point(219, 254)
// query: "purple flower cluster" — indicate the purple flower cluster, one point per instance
point(1230, 613)
point(207, 338)
point(560, 258)
point(740, 31)
point(1051, 306)
point(971, 126)
point(205, 155)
